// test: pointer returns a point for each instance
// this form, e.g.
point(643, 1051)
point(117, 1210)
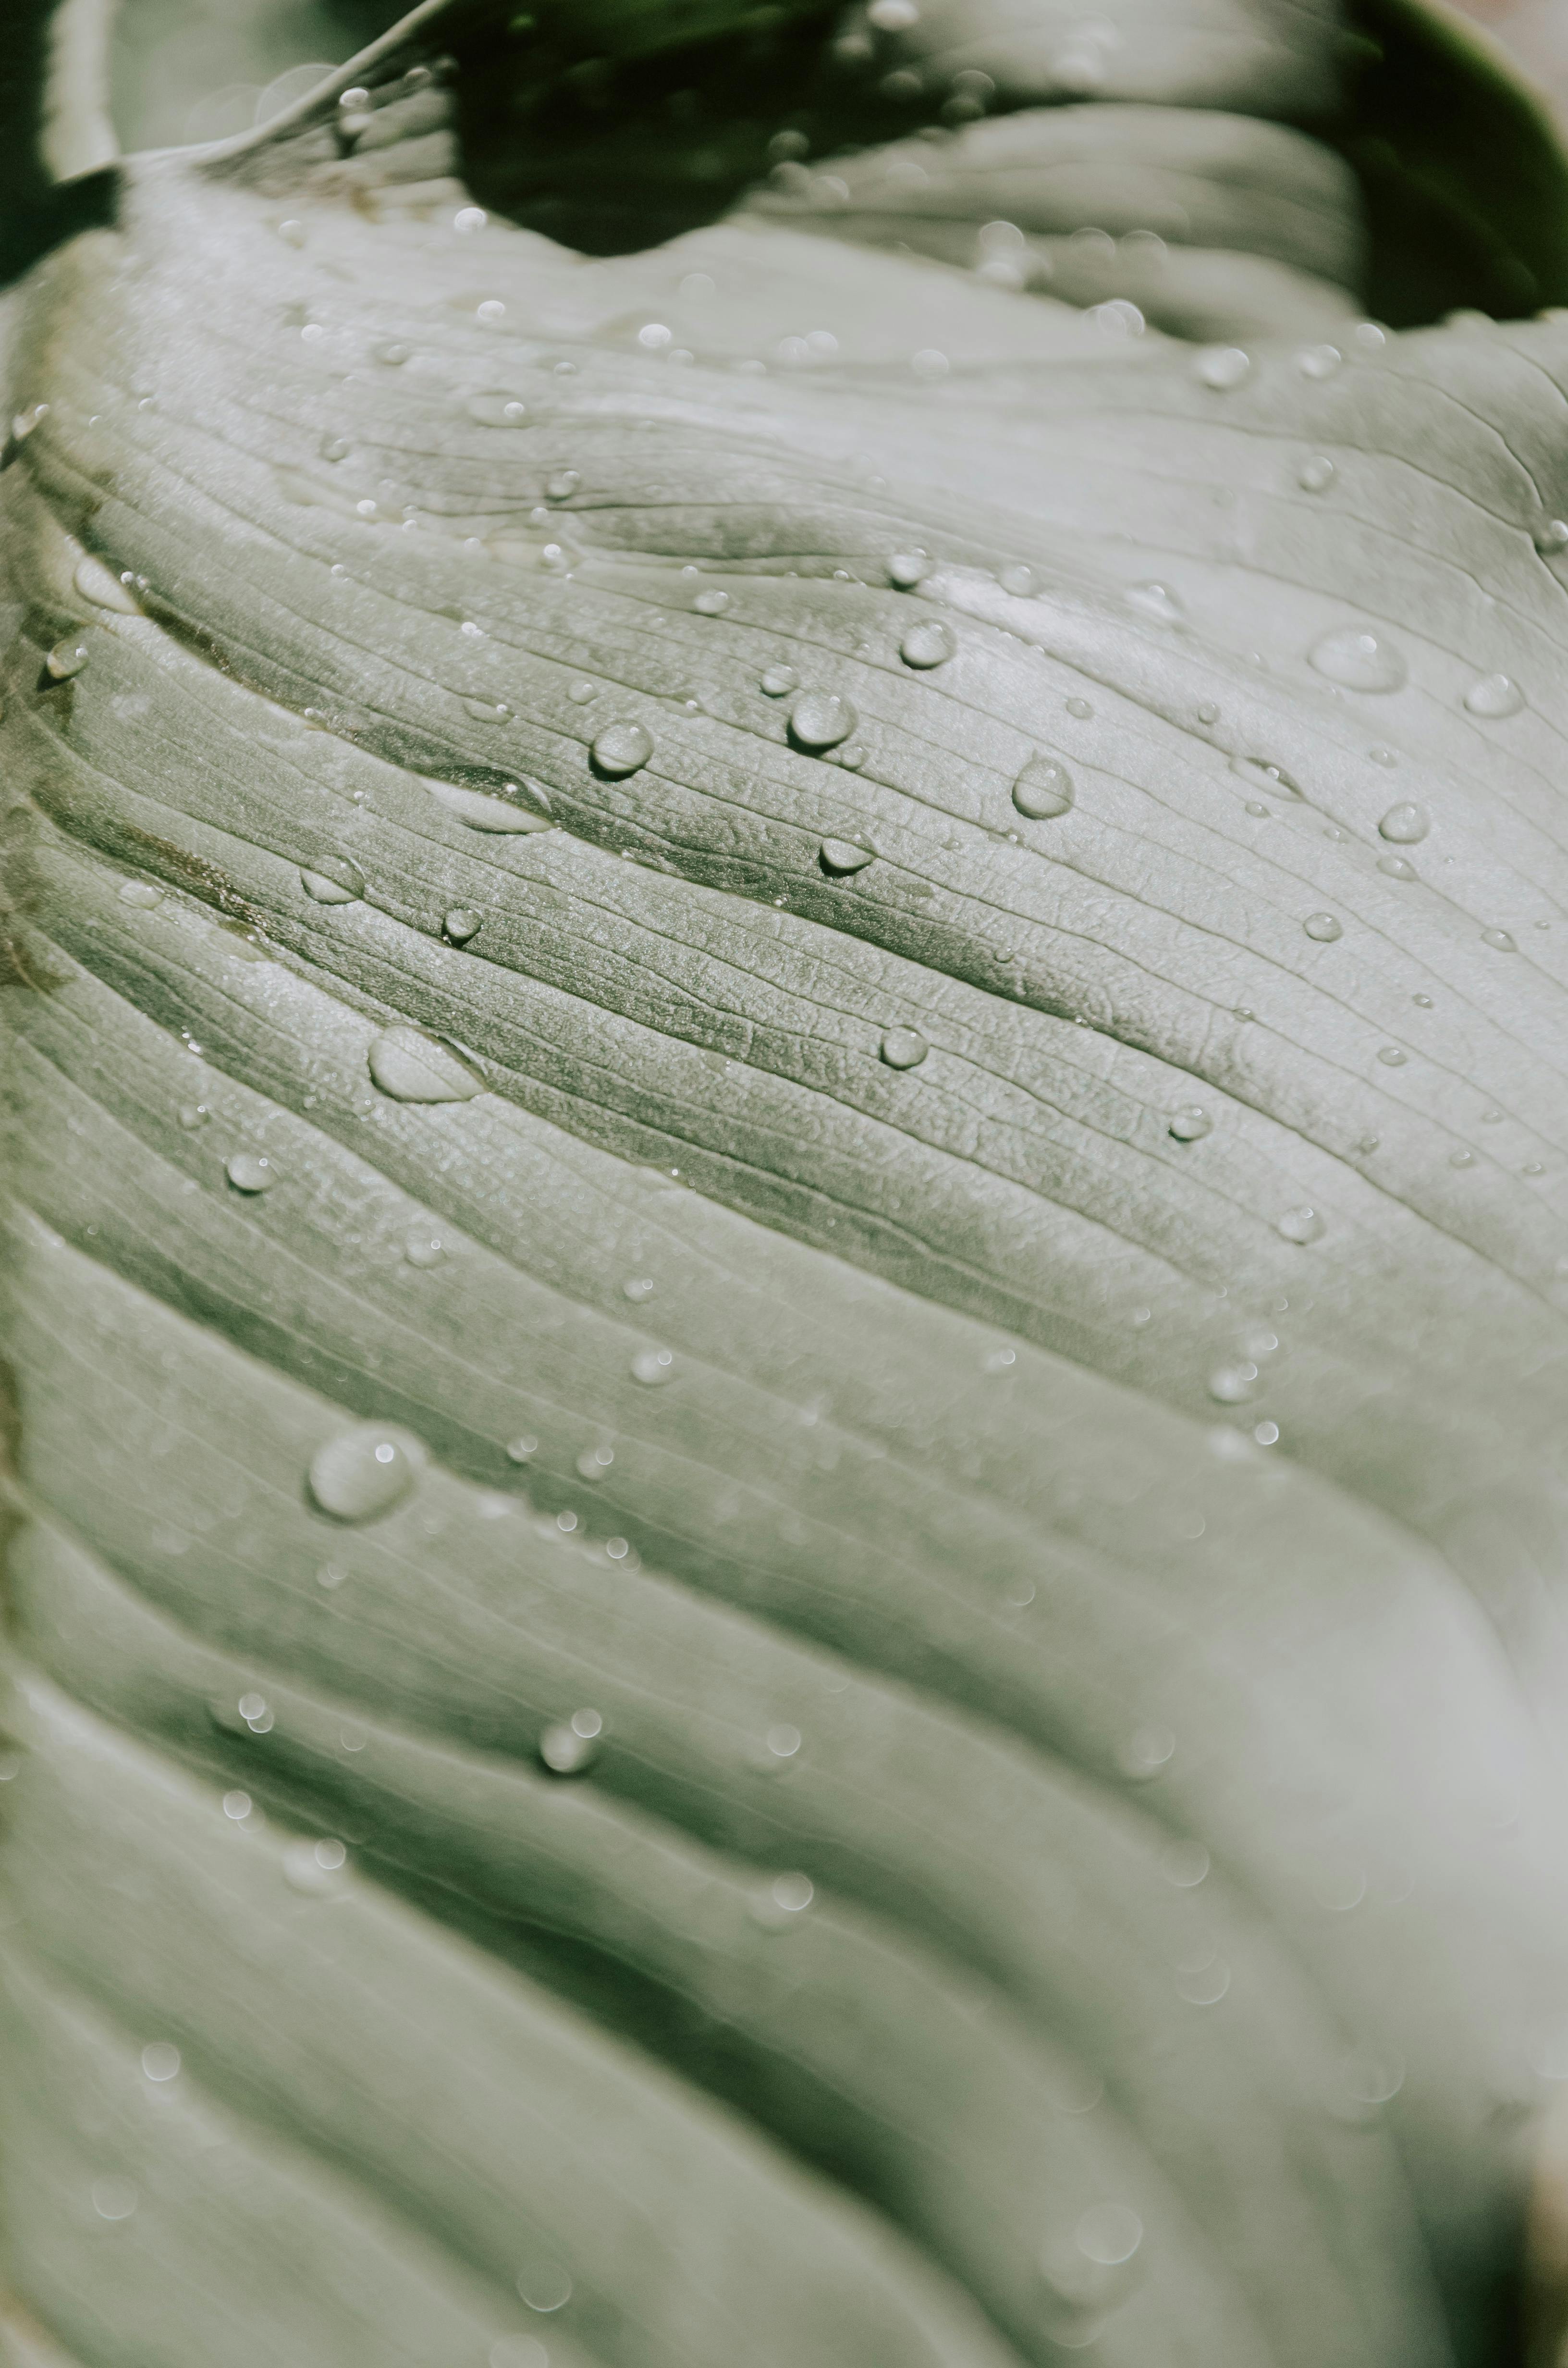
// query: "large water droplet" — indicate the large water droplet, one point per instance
point(412, 1067)
point(250, 1171)
point(104, 588)
point(903, 1048)
point(1317, 474)
point(929, 643)
point(1405, 824)
point(1494, 695)
point(567, 1750)
point(1191, 1123)
point(1499, 940)
point(1156, 601)
point(908, 568)
point(347, 888)
point(842, 857)
point(365, 1472)
point(821, 719)
point(1359, 660)
point(1323, 927)
point(622, 747)
point(1300, 1225)
point(461, 923)
point(1044, 788)
point(477, 810)
point(1223, 368)
point(66, 658)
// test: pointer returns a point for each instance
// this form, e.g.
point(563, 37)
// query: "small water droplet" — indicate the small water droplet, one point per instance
point(1405, 824)
point(1156, 601)
point(711, 603)
point(567, 1751)
point(652, 1366)
point(1462, 1159)
point(1550, 538)
point(1223, 368)
point(929, 643)
point(1184, 1864)
point(1233, 1384)
point(192, 1115)
point(1080, 708)
point(113, 2199)
point(365, 1472)
point(1300, 1225)
point(793, 1893)
point(1323, 927)
point(160, 2060)
point(595, 1462)
point(104, 588)
point(1359, 660)
point(783, 1742)
point(1499, 940)
point(424, 1250)
point(622, 747)
point(323, 888)
point(1392, 1056)
point(908, 568)
point(903, 1048)
point(1208, 713)
point(412, 1067)
point(821, 719)
point(461, 923)
point(1397, 867)
point(562, 484)
point(1191, 1123)
point(65, 659)
point(842, 857)
point(249, 1171)
point(1203, 1985)
point(24, 422)
point(1043, 789)
point(1021, 582)
point(1494, 696)
point(777, 680)
point(1319, 361)
point(142, 894)
point(1108, 2233)
point(1146, 1751)
point(1317, 474)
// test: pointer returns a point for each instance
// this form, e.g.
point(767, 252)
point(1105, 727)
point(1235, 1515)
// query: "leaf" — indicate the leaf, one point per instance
point(1022, 1426)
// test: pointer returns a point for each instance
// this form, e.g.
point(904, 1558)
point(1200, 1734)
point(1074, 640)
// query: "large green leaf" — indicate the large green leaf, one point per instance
point(871, 965)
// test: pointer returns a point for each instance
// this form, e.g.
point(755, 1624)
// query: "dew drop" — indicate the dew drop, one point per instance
point(711, 604)
point(1184, 1864)
point(1233, 1384)
point(1392, 1056)
point(478, 811)
point(66, 658)
point(568, 1751)
point(518, 1449)
point(1552, 537)
point(562, 484)
point(424, 1250)
point(779, 679)
point(142, 894)
point(1323, 927)
point(1223, 368)
point(192, 1115)
point(1156, 601)
point(363, 1473)
point(783, 1741)
point(1319, 361)
point(104, 588)
point(412, 1067)
point(1191, 1123)
point(622, 747)
point(929, 643)
point(1108, 2233)
point(903, 1048)
point(248, 1171)
point(1208, 713)
point(1359, 660)
point(161, 2060)
point(1494, 696)
point(1396, 868)
point(652, 1366)
point(821, 719)
point(1499, 940)
point(1146, 1751)
point(908, 568)
point(113, 2199)
point(842, 857)
point(1044, 788)
point(793, 1893)
point(1080, 708)
point(334, 447)
point(461, 922)
point(346, 889)
point(1203, 1985)
point(1021, 582)
point(1405, 824)
point(1300, 1225)
point(1317, 474)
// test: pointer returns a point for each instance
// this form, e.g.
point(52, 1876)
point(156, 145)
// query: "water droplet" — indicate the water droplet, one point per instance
point(637, 1288)
point(1108, 2233)
point(1156, 601)
point(424, 1250)
point(779, 680)
point(478, 811)
point(160, 2060)
point(622, 747)
point(113, 2199)
point(783, 1742)
point(842, 857)
point(793, 1893)
point(1499, 940)
point(1405, 824)
point(490, 312)
point(1185, 1863)
point(1080, 708)
point(929, 643)
point(248, 1171)
point(347, 888)
point(1301, 1225)
point(1223, 368)
point(142, 894)
point(1319, 361)
point(461, 923)
point(393, 355)
point(711, 604)
point(1462, 1159)
point(24, 422)
point(1552, 538)
point(1494, 695)
point(1044, 788)
point(821, 719)
point(562, 484)
point(1146, 1751)
point(567, 1750)
point(908, 568)
point(1392, 1056)
point(1233, 1384)
point(363, 1473)
point(1203, 1985)
point(412, 1067)
point(104, 588)
point(1191, 1123)
point(652, 1366)
point(929, 362)
point(595, 1462)
point(66, 658)
point(903, 1048)
point(1359, 660)
point(1208, 713)
point(1021, 582)
point(1323, 927)
point(1397, 867)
